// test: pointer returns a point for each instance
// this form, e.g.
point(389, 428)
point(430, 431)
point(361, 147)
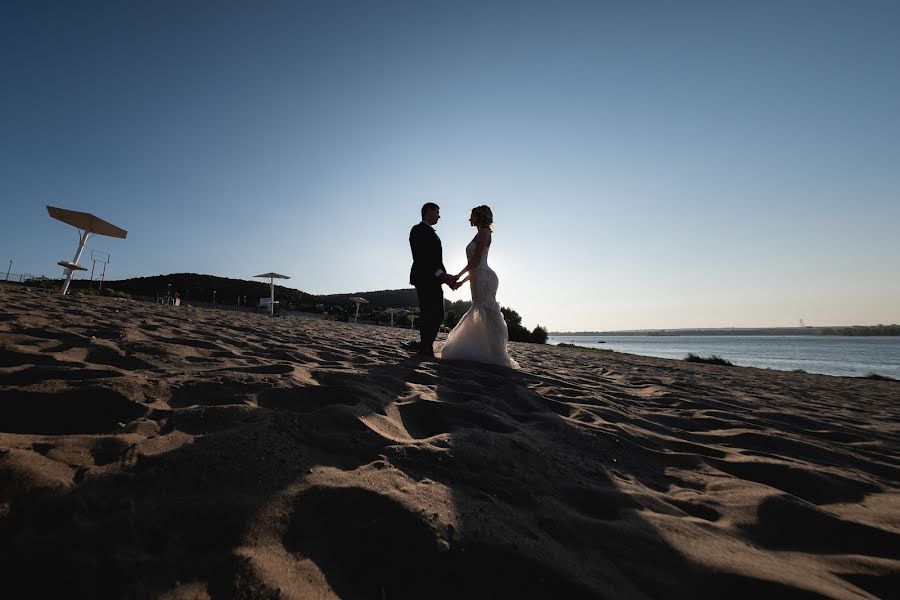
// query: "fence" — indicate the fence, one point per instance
point(16, 277)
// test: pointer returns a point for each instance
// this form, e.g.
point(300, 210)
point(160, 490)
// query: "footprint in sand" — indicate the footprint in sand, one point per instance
point(368, 545)
point(79, 410)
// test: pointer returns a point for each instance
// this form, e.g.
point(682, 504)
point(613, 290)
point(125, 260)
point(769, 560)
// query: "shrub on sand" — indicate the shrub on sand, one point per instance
point(565, 345)
point(878, 377)
point(41, 282)
point(116, 294)
point(712, 359)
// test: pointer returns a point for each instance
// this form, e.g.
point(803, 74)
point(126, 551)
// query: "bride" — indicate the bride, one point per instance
point(481, 333)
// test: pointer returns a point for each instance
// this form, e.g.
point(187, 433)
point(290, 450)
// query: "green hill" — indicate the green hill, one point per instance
point(194, 288)
point(377, 300)
point(198, 289)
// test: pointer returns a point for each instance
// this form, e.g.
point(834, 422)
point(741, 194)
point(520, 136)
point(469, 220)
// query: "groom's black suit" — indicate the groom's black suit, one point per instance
point(427, 262)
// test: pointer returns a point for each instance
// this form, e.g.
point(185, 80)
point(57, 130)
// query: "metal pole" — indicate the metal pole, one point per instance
point(272, 297)
point(93, 264)
point(81, 245)
point(102, 277)
point(9, 269)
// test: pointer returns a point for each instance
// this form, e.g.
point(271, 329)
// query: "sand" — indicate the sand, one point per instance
point(158, 452)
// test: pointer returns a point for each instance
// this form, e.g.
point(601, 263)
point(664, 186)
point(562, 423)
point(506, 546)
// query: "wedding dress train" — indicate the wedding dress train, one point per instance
point(481, 334)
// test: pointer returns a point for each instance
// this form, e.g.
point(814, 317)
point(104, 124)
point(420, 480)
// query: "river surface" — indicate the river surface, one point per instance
point(829, 355)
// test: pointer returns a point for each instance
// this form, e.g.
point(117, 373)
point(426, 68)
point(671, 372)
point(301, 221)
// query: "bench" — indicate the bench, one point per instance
point(265, 303)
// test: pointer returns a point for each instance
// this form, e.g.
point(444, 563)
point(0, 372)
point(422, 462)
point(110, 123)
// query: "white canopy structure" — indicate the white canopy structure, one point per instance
point(272, 277)
point(86, 224)
point(392, 312)
point(358, 301)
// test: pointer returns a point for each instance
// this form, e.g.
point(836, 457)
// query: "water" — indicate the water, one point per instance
point(830, 355)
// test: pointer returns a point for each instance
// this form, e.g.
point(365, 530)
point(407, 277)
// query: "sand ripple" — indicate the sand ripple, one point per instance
point(147, 451)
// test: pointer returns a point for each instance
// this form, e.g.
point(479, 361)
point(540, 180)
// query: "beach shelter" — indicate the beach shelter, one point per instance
point(359, 300)
point(272, 277)
point(86, 224)
point(392, 312)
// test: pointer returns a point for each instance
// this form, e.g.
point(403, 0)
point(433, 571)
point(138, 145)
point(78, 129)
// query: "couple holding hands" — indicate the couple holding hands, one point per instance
point(481, 334)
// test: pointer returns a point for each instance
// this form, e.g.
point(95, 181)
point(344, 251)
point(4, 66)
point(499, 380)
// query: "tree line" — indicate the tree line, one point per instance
point(862, 330)
point(517, 332)
point(193, 288)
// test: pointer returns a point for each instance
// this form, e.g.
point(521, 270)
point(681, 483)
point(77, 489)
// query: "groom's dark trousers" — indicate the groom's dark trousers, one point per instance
point(427, 262)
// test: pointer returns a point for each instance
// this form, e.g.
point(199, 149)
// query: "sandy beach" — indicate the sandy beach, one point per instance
point(149, 451)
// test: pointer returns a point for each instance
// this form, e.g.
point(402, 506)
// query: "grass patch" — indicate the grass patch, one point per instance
point(114, 294)
point(42, 282)
point(712, 359)
point(565, 345)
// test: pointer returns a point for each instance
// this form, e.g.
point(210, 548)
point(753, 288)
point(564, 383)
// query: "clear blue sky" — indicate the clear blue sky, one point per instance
point(649, 164)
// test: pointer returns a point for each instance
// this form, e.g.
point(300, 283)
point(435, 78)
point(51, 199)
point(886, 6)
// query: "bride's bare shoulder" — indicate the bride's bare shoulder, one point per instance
point(483, 236)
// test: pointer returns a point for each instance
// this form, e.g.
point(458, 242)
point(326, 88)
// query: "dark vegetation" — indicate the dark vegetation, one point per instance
point(42, 282)
point(51, 284)
point(197, 289)
point(862, 330)
point(589, 349)
point(518, 333)
point(878, 377)
point(712, 359)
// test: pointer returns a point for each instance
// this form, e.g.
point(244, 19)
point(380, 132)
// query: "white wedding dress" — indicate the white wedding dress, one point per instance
point(481, 333)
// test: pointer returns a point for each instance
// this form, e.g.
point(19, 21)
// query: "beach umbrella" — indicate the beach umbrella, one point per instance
point(358, 301)
point(86, 224)
point(392, 312)
point(272, 277)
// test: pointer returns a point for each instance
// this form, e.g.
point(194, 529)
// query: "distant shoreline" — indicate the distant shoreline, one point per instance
point(855, 330)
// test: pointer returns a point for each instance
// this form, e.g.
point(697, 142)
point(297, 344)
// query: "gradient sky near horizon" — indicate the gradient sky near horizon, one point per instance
point(649, 164)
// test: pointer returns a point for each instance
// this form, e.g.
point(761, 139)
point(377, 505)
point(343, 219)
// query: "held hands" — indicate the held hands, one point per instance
point(453, 280)
point(458, 284)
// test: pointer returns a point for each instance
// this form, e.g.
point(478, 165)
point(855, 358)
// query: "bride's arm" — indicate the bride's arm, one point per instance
point(482, 241)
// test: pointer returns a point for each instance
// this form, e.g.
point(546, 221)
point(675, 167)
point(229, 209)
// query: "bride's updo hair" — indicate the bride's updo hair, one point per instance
point(483, 217)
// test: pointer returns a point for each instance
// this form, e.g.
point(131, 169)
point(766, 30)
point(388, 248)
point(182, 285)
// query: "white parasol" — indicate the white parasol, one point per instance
point(86, 224)
point(272, 277)
point(392, 312)
point(358, 301)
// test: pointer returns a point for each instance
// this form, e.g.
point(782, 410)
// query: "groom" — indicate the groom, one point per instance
point(427, 275)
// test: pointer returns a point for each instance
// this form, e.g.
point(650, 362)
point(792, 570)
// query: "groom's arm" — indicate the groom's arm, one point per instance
point(426, 250)
point(439, 272)
point(433, 246)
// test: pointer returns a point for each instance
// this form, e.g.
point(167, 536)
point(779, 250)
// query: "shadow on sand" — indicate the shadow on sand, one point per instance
point(403, 479)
